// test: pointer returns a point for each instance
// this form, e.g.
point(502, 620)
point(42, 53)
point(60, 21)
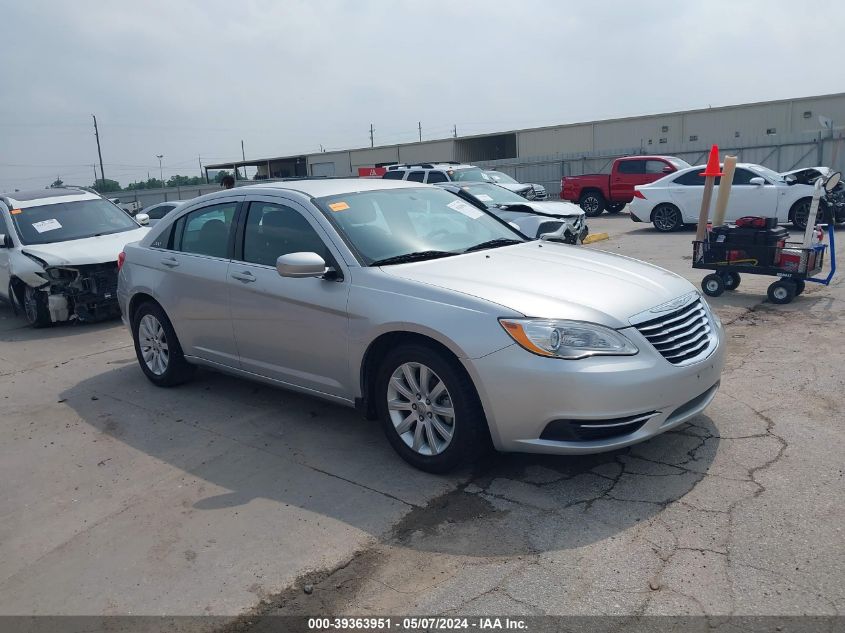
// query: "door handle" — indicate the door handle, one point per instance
point(172, 262)
point(244, 276)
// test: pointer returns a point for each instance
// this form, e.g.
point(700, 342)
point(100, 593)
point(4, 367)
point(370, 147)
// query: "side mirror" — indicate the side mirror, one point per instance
point(832, 181)
point(143, 219)
point(757, 181)
point(5, 241)
point(301, 265)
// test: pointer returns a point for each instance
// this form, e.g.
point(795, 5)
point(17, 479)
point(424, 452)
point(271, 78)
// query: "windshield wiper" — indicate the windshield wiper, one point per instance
point(499, 241)
point(411, 257)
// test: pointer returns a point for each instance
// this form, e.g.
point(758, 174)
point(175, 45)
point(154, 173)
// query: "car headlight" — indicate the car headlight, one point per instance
point(567, 339)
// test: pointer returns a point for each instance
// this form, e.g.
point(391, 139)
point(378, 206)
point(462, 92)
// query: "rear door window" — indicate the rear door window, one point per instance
point(631, 167)
point(206, 231)
point(416, 176)
point(437, 176)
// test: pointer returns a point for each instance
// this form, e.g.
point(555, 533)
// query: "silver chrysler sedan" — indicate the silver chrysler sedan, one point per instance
point(424, 311)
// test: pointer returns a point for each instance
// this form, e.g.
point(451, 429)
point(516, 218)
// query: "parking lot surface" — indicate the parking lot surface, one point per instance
point(226, 497)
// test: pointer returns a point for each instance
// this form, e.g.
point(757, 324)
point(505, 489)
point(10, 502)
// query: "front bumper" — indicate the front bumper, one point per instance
point(523, 394)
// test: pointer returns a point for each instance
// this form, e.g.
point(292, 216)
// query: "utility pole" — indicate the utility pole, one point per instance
point(199, 160)
point(160, 169)
point(99, 152)
point(371, 134)
point(95, 174)
point(455, 131)
point(419, 127)
point(243, 154)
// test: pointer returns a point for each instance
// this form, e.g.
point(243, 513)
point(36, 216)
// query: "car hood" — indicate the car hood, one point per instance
point(557, 209)
point(88, 250)
point(552, 280)
point(514, 186)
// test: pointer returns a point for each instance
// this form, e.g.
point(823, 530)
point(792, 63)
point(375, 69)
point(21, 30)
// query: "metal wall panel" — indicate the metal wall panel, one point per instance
point(427, 151)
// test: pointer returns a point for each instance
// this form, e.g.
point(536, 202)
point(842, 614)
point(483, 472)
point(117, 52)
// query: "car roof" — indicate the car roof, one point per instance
point(36, 197)
point(320, 187)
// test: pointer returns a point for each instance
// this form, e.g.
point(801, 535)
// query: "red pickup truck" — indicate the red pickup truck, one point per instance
point(597, 192)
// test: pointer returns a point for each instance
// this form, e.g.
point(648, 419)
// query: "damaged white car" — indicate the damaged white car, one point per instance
point(58, 254)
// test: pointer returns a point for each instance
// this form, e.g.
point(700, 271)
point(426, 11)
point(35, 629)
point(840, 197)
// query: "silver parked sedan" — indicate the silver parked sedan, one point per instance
point(425, 311)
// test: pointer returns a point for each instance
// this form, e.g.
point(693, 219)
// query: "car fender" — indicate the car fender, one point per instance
point(26, 269)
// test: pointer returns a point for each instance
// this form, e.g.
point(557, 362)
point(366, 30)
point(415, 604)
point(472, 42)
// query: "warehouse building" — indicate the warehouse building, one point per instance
point(782, 135)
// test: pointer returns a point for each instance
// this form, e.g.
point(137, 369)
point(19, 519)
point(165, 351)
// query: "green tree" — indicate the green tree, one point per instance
point(220, 175)
point(106, 186)
point(184, 181)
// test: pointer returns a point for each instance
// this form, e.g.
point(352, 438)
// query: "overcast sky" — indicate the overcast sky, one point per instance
point(189, 78)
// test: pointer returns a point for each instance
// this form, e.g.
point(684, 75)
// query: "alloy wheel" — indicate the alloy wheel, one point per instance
point(665, 218)
point(30, 304)
point(153, 342)
point(590, 204)
point(421, 408)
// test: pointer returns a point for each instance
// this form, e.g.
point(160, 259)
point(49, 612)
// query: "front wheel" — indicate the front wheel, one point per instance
point(782, 291)
point(713, 285)
point(615, 207)
point(666, 218)
point(157, 348)
point(801, 213)
point(592, 203)
point(732, 280)
point(429, 409)
point(35, 307)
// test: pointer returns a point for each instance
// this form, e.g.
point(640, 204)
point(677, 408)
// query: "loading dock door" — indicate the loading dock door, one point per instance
point(322, 169)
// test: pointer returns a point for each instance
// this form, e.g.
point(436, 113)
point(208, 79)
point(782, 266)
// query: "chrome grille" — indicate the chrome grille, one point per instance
point(540, 192)
point(682, 336)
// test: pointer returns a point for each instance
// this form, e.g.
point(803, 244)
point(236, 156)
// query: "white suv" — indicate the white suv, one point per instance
point(436, 172)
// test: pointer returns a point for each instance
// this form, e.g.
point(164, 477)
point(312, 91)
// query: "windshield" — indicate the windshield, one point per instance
point(492, 194)
point(390, 223)
point(498, 176)
point(65, 221)
point(474, 174)
point(678, 163)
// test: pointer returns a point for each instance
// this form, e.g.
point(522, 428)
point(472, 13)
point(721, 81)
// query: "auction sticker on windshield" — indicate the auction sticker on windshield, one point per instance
point(338, 206)
point(467, 209)
point(46, 225)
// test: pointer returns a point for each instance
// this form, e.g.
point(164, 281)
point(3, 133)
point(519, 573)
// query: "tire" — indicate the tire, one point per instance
point(799, 286)
point(592, 203)
point(615, 207)
point(35, 308)
point(782, 291)
point(157, 347)
point(713, 285)
point(456, 440)
point(800, 211)
point(666, 218)
point(731, 280)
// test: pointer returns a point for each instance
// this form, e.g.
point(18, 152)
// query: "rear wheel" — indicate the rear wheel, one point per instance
point(592, 202)
point(157, 348)
point(782, 291)
point(35, 307)
point(429, 409)
point(615, 207)
point(799, 286)
point(666, 218)
point(732, 280)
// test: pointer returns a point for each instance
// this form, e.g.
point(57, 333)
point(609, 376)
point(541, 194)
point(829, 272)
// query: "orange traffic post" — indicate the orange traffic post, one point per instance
point(710, 173)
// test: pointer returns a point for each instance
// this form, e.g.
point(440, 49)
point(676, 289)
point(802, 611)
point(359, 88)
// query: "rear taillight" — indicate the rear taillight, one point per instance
point(639, 194)
point(120, 259)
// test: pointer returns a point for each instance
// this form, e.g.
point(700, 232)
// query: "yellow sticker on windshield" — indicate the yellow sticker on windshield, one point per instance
point(338, 206)
point(16, 211)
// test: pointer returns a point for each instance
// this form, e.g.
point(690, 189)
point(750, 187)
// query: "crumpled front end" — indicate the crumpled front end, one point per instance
point(87, 292)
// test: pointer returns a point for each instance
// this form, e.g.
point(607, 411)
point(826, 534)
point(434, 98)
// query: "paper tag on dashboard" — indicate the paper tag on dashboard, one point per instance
point(46, 225)
point(484, 197)
point(467, 209)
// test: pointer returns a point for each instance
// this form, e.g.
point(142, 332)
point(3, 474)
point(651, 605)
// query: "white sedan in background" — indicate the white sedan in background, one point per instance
point(675, 200)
